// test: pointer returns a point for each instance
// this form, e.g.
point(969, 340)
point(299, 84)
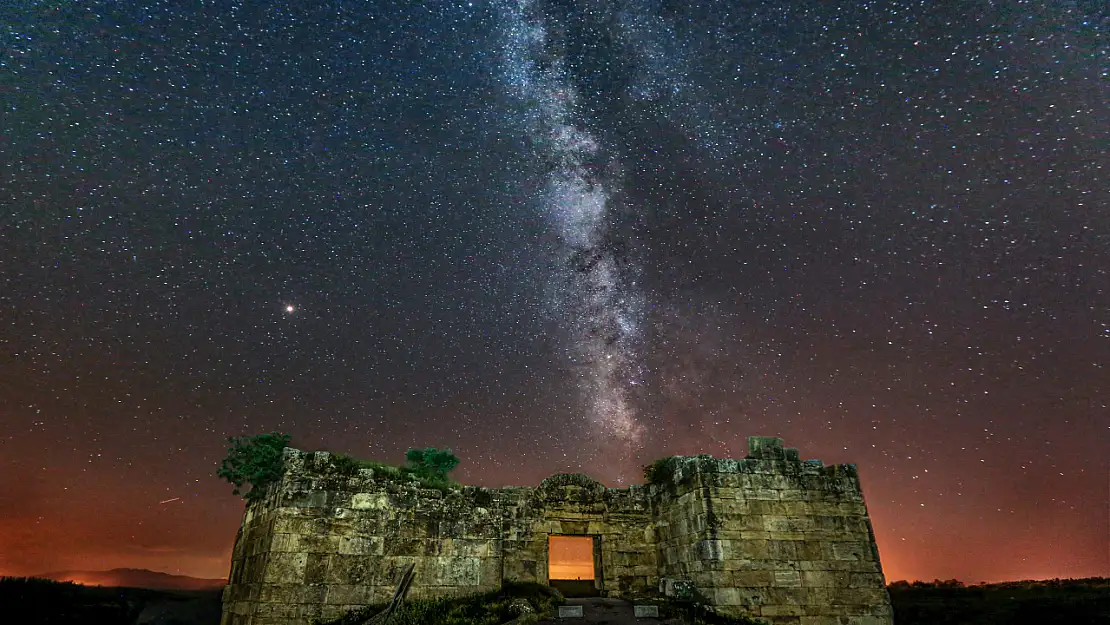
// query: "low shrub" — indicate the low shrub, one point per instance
point(660, 472)
point(344, 465)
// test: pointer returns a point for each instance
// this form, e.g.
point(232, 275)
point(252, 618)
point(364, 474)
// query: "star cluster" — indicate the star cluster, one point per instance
point(563, 235)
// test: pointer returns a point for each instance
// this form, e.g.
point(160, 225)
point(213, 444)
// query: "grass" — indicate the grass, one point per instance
point(489, 608)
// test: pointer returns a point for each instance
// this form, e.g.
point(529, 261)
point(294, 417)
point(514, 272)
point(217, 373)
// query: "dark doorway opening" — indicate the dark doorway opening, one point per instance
point(571, 565)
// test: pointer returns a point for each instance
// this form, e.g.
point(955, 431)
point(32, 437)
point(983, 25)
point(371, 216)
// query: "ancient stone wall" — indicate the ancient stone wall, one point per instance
point(773, 537)
point(323, 544)
point(769, 536)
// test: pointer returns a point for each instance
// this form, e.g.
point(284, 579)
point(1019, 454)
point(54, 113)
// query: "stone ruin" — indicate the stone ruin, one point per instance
point(768, 536)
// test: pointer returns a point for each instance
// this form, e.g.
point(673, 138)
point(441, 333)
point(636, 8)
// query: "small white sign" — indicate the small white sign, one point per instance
point(570, 611)
point(646, 611)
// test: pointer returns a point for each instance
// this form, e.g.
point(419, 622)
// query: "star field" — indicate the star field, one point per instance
point(557, 236)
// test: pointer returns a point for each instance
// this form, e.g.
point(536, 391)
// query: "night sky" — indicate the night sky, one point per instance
point(557, 236)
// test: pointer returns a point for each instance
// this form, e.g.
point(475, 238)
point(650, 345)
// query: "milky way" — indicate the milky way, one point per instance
point(593, 285)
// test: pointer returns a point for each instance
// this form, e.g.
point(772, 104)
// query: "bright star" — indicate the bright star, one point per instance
point(289, 308)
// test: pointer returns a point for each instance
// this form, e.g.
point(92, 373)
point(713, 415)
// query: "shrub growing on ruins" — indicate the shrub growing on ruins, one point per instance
point(253, 460)
point(660, 472)
point(431, 462)
point(347, 466)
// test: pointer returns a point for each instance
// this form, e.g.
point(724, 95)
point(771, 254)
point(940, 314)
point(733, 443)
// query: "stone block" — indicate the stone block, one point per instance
point(316, 568)
point(847, 550)
point(242, 608)
point(859, 596)
point(826, 508)
point(825, 579)
point(363, 570)
point(764, 494)
point(570, 611)
point(729, 508)
point(360, 545)
point(782, 610)
point(285, 568)
point(847, 612)
point(782, 524)
point(764, 447)
point(829, 523)
point(740, 564)
point(783, 550)
point(851, 508)
point(866, 580)
point(457, 571)
point(746, 549)
point(710, 550)
point(404, 546)
point(728, 596)
point(345, 594)
point(858, 566)
point(787, 535)
point(788, 579)
point(787, 596)
point(766, 507)
point(749, 579)
point(309, 612)
point(285, 543)
point(318, 543)
point(809, 549)
point(332, 612)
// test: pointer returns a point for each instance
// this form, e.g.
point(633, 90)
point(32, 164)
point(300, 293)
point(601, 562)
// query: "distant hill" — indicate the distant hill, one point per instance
point(135, 578)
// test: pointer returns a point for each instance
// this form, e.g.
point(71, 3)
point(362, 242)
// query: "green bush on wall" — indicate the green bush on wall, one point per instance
point(254, 460)
point(347, 466)
point(257, 461)
point(660, 472)
point(431, 461)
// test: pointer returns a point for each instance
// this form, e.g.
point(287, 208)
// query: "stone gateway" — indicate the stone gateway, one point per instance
point(769, 536)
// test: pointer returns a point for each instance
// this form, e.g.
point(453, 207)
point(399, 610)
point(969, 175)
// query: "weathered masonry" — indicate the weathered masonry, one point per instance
point(770, 536)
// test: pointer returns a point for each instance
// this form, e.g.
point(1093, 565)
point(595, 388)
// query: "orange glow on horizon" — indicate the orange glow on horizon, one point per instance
point(570, 557)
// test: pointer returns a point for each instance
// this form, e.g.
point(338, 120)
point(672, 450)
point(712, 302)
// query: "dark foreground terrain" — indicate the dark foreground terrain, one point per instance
point(1052, 602)
point(31, 601)
point(1049, 602)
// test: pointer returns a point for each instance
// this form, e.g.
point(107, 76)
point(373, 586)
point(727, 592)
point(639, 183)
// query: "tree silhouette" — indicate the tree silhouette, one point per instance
point(431, 461)
point(254, 460)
